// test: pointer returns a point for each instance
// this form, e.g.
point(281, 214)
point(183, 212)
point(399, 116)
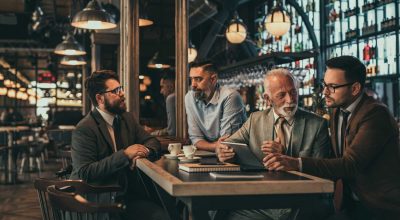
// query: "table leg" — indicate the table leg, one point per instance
point(10, 164)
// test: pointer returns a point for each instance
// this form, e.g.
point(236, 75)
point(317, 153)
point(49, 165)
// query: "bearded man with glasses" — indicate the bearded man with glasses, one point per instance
point(365, 139)
point(106, 143)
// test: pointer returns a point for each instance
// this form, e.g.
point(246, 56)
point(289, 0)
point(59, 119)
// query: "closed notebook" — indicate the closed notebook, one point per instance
point(195, 167)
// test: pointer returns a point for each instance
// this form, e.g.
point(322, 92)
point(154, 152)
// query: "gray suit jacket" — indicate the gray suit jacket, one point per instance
point(93, 159)
point(310, 135)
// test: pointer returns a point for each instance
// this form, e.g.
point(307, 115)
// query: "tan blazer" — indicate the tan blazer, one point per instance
point(310, 136)
point(371, 158)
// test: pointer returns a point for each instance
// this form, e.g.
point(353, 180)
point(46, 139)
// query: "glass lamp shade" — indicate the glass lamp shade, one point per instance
point(69, 47)
point(3, 91)
point(93, 17)
point(11, 93)
point(157, 63)
point(73, 60)
point(277, 22)
point(192, 54)
point(236, 32)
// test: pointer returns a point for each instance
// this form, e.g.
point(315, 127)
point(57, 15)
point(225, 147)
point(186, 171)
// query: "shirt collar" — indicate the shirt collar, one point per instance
point(109, 118)
point(289, 120)
point(353, 105)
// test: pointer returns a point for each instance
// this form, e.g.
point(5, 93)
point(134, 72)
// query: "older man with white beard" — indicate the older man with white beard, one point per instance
point(282, 128)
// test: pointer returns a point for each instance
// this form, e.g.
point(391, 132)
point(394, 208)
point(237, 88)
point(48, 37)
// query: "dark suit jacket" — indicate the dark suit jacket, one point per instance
point(310, 136)
point(371, 159)
point(93, 159)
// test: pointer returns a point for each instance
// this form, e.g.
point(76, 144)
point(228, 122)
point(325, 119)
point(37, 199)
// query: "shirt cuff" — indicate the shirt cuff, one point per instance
point(300, 165)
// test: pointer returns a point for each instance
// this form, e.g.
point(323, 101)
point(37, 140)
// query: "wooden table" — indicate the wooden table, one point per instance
point(11, 173)
point(201, 193)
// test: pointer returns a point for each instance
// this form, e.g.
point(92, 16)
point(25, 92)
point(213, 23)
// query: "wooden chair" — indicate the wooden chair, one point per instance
point(70, 205)
point(76, 186)
point(66, 161)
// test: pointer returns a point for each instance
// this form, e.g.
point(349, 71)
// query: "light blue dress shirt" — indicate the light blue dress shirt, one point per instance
point(224, 114)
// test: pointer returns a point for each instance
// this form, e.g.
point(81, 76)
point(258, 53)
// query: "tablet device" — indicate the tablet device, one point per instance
point(245, 157)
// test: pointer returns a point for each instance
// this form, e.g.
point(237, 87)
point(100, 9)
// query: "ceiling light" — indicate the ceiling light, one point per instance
point(93, 17)
point(236, 32)
point(143, 18)
point(278, 21)
point(73, 60)
point(69, 47)
point(157, 62)
point(3, 90)
point(192, 52)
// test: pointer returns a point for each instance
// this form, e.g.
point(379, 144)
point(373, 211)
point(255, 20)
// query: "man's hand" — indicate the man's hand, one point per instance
point(276, 161)
point(224, 152)
point(272, 146)
point(148, 129)
point(136, 150)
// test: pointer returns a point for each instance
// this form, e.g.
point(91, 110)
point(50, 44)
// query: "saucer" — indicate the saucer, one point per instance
point(171, 157)
point(187, 160)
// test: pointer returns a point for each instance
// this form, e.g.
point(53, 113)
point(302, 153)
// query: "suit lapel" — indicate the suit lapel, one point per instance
point(124, 132)
point(297, 133)
point(334, 123)
point(103, 128)
point(266, 131)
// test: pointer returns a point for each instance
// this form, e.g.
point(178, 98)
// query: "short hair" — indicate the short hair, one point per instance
point(168, 75)
point(96, 83)
point(279, 72)
point(207, 66)
point(354, 69)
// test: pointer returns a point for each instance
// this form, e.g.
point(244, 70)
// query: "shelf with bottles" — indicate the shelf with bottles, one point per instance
point(381, 59)
point(354, 24)
point(376, 4)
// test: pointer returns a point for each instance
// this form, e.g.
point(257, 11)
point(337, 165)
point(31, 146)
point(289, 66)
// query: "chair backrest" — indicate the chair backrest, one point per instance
point(77, 186)
point(70, 205)
point(3, 139)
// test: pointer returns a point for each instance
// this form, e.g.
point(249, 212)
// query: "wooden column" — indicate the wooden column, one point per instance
point(129, 54)
point(181, 64)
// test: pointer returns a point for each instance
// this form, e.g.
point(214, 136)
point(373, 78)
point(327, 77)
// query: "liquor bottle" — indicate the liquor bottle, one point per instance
point(287, 47)
point(308, 6)
point(366, 53)
point(298, 46)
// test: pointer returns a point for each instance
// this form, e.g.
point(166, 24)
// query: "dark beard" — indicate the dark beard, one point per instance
point(200, 95)
point(114, 109)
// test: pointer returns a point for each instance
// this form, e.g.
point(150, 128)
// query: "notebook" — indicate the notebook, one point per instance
point(196, 168)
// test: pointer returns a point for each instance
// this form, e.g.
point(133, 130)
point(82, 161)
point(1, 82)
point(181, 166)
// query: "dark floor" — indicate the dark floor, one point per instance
point(19, 201)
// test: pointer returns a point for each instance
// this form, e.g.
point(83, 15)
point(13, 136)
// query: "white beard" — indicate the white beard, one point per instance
point(287, 114)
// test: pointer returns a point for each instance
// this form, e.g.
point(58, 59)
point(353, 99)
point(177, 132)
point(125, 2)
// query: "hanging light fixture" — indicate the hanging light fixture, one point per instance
point(157, 62)
point(192, 52)
point(93, 17)
point(69, 47)
point(236, 32)
point(73, 60)
point(278, 20)
point(144, 20)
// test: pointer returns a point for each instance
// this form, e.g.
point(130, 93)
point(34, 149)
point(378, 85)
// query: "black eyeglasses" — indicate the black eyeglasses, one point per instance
point(332, 88)
point(115, 91)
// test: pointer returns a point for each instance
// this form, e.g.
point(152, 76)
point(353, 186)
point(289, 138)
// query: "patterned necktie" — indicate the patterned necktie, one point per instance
point(280, 131)
point(117, 133)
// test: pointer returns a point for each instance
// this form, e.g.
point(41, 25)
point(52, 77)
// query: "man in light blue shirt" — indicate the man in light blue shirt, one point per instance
point(212, 111)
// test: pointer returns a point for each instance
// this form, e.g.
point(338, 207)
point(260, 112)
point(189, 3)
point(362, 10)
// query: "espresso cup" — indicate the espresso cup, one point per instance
point(189, 151)
point(174, 148)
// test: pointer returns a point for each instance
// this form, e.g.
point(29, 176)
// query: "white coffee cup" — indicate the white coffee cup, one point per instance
point(189, 151)
point(174, 148)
